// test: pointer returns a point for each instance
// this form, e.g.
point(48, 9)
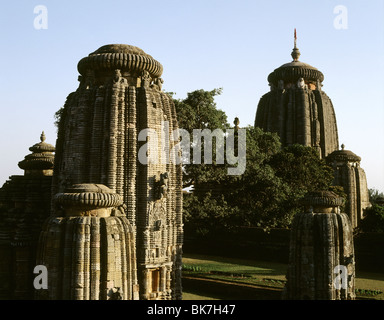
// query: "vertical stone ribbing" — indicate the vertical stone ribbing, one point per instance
point(297, 109)
point(299, 116)
point(289, 122)
point(113, 128)
point(78, 281)
point(67, 259)
point(92, 259)
point(121, 127)
point(349, 175)
point(95, 259)
point(130, 195)
point(97, 135)
point(120, 94)
point(321, 240)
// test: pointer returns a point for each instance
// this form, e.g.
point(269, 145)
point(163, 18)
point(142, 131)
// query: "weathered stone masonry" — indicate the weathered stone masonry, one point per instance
point(321, 240)
point(300, 112)
point(119, 95)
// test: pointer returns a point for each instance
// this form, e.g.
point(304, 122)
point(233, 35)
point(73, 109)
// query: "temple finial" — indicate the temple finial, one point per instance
point(342, 146)
point(42, 137)
point(295, 52)
point(236, 122)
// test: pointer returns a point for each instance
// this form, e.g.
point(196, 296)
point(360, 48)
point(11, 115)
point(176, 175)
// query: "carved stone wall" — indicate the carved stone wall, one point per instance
point(120, 94)
point(321, 240)
point(90, 252)
point(24, 206)
point(297, 109)
point(349, 175)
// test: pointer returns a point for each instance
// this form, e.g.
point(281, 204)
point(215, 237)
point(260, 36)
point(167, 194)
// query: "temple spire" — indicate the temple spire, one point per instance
point(295, 52)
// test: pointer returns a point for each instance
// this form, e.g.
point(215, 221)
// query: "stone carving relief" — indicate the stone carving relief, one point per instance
point(318, 85)
point(145, 79)
point(156, 225)
point(157, 83)
point(118, 78)
point(301, 84)
point(163, 185)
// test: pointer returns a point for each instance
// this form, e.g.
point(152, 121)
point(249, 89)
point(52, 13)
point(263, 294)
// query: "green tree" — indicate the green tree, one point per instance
point(375, 194)
point(205, 214)
point(302, 171)
point(373, 219)
point(267, 194)
point(258, 192)
point(199, 111)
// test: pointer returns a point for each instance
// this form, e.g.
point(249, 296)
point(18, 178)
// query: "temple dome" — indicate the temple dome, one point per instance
point(41, 158)
point(120, 48)
point(89, 195)
point(292, 71)
point(120, 56)
point(343, 155)
point(322, 198)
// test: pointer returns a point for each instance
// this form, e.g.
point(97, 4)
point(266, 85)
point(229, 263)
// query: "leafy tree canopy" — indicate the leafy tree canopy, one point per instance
point(268, 192)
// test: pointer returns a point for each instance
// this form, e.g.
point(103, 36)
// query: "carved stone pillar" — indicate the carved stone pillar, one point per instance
point(321, 257)
point(89, 251)
point(297, 109)
point(352, 178)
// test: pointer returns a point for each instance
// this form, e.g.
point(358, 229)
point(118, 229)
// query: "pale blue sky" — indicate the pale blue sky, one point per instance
point(201, 45)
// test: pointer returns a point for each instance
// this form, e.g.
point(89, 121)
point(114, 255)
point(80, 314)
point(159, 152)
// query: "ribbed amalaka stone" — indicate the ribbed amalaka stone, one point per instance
point(24, 205)
point(98, 142)
point(349, 175)
point(297, 109)
point(321, 256)
point(41, 161)
point(89, 252)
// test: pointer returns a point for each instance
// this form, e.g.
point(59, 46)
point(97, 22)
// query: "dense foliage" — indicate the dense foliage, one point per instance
point(374, 216)
point(267, 194)
point(373, 219)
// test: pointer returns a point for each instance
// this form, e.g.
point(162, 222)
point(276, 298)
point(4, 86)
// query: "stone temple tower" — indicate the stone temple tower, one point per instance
point(349, 174)
point(297, 109)
point(24, 206)
point(300, 112)
point(321, 255)
point(116, 217)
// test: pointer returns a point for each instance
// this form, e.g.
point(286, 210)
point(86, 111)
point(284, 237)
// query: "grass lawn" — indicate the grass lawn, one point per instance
point(248, 279)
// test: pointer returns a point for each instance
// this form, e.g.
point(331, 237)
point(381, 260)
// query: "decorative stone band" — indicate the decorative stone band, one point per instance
point(22, 235)
point(42, 147)
point(42, 157)
point(88, 200)
point(343, 156)
point(322, 201)
point(123, 61)
point(37, 161)
point(293, 73)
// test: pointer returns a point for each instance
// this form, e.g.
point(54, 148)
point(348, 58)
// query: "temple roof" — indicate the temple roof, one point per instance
point(292, 71)
point(343, 155)
point(322, 198)
point(41, 157)
point(120, 56)
point(89, 195)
